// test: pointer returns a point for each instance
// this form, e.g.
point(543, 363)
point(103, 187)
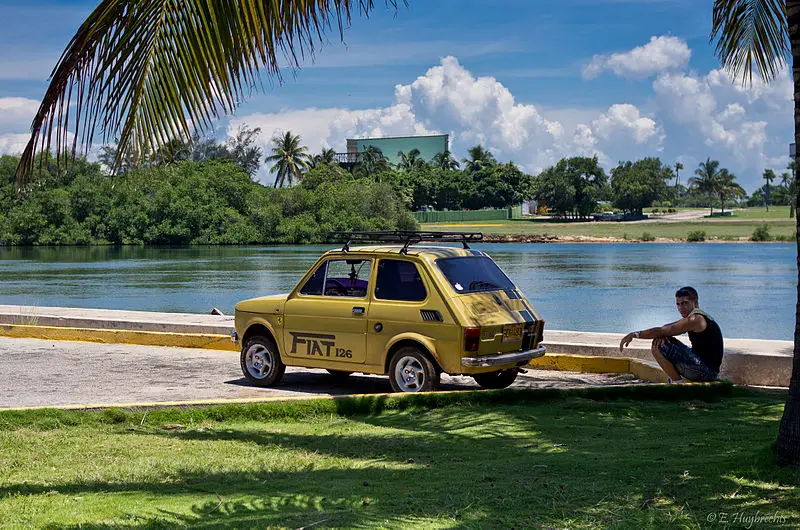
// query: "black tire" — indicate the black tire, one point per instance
point(495, 380)
point(410, 370)
point(339, 374)
point(261, 363)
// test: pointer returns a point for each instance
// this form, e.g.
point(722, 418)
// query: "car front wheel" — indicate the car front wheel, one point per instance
point(411, 371)
point(495, 380)
point(261, 362)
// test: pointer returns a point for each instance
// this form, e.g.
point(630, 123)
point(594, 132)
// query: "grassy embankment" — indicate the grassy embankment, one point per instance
point(481, 460)
point(734, 228)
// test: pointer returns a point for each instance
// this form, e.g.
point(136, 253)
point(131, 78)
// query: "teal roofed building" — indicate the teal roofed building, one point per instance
point(429, 146)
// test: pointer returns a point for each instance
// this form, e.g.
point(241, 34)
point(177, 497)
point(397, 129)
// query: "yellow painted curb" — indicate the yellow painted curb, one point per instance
point(600, 365)
point(118, 336)
point(582, 363)
point(649, 371)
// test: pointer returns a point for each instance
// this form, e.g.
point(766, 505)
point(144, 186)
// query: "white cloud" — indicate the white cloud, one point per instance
point(13, 144)
point(660, 54)
point(628, 118)
point(17, 113)
point(449, 98)
point(737, 125)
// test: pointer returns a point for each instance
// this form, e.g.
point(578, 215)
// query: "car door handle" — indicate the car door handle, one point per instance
point(358, 310)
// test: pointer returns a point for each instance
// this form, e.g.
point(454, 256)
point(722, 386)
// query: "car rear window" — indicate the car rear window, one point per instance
point(472, 274)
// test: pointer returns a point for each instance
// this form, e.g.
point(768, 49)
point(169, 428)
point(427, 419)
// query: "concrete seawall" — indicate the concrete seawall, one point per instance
point(747, 361)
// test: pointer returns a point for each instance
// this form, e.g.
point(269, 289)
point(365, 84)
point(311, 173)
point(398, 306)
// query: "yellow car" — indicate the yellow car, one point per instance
point(407, 310)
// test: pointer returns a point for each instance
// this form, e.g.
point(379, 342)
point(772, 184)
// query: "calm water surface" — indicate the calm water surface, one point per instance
point(749, 288)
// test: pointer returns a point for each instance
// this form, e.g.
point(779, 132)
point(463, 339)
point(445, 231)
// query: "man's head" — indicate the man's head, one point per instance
point(686, 300)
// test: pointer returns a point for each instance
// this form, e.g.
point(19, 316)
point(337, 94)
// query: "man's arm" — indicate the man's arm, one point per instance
point(695, 323)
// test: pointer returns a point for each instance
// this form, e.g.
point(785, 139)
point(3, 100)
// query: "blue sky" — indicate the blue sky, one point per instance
point(532, 80)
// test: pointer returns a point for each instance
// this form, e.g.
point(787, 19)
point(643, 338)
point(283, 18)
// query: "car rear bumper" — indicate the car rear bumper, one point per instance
point(520, 357)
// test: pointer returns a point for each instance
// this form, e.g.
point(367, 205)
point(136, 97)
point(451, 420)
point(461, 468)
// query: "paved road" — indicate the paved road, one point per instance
point(50, 373)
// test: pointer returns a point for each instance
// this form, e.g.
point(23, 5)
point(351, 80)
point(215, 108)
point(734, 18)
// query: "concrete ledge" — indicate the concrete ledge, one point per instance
point(74, 317)
point(110, 336)
point(747, 361)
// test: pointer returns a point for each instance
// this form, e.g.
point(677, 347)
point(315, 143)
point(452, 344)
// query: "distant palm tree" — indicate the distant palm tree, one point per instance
point(326, 156)
point(769, 176)
point(678, 167)
point(479, 158)
point(290, 158)
point(371, 161)
point(146, 71)
point(726, 187)
point(445, 160)
point(705, 181)
point(409, 161)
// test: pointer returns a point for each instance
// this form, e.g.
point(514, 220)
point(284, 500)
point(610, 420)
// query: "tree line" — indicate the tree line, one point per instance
point(186, 202)
point(576, 187)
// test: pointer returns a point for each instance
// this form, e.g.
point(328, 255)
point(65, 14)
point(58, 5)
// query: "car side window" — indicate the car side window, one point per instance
point(347, 277)
point(399, 280)
point(314, 285)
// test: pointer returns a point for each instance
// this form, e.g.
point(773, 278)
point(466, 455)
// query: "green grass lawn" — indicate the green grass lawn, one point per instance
point(563, 462)
point(715, 229)
point(775, 212)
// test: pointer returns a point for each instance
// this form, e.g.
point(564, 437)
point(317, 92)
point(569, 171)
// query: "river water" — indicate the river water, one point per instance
point(749, 288)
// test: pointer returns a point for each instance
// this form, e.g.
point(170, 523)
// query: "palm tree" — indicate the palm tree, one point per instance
point(445, 160)
point(678, 167)
point(409, 161)
point(479, 158)
point(764, 34)
point(706, 180)
point(326, 156)
point(145, 71)
point(791, 166)
point(769, 176)
point(727, 187)
point(289, 158)
point(371, 161)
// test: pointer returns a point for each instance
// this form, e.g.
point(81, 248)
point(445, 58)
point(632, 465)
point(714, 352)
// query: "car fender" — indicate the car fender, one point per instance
point(427, 342)
point(258, 320)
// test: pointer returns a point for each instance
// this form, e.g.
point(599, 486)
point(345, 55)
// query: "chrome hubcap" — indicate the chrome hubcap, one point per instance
point(258, 361)
point(409, 374)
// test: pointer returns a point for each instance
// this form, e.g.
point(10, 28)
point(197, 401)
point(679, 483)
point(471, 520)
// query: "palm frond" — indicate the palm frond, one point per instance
point(147, 71)
point(751, 34)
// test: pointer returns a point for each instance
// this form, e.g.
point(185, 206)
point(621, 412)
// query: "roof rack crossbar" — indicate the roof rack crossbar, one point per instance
point(406, 237)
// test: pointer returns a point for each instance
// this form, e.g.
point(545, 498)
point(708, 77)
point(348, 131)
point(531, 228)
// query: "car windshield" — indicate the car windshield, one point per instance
point(474, 274)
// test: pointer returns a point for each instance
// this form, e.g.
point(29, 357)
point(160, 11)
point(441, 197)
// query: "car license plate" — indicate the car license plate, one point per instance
point(512, 332)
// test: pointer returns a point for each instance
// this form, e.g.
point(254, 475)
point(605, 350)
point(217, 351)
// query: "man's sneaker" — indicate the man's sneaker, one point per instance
point(675, 381)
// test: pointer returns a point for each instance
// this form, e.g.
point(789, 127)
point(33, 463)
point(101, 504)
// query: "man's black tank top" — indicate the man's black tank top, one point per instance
point(708, 344)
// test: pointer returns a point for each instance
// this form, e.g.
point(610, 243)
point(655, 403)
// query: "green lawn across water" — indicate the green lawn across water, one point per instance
point(715, 229)
point(480, 460)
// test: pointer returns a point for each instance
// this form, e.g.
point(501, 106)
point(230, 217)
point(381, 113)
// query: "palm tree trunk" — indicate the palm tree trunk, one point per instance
point(788, 446)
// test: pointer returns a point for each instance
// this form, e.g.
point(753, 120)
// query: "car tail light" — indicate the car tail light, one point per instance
point(472, 337)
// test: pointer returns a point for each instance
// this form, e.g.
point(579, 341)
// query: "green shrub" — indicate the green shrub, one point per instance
point(625, 236)
point(647, 236)
point(695, 236)
point(761, 233)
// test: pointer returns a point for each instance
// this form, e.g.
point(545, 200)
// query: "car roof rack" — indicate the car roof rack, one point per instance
point(406, 237)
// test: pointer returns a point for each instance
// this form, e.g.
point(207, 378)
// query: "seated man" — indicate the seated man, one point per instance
point(701, 362)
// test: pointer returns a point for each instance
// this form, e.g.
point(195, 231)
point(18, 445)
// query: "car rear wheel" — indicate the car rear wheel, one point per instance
point(261, 362)
point(411, 371)
point(339, 374)
point(495, 380)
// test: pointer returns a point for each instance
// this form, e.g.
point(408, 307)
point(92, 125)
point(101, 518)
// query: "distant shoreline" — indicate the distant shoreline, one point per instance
point(545, 238)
